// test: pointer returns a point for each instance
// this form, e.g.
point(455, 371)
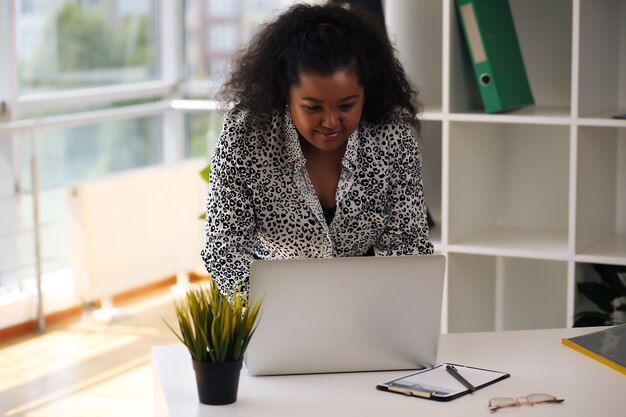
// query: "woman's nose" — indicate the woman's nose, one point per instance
point(330, 119)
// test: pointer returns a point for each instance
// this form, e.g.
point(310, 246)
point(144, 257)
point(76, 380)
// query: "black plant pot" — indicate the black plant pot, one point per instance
point(217, 382)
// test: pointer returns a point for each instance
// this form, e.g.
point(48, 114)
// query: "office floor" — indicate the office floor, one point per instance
point(87, 368)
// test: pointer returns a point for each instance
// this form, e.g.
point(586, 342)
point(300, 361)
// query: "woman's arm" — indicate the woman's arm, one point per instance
point(406, 231)
point(230, 223)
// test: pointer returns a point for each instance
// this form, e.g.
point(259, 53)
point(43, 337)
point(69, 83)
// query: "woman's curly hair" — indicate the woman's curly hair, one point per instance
point(320, 39)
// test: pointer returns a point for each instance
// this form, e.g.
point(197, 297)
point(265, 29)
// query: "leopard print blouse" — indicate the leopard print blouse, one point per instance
point(261, 203)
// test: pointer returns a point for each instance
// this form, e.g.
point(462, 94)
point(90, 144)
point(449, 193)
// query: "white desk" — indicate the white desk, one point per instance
point(536, 360)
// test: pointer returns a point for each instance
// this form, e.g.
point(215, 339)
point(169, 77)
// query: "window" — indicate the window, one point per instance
point(227, 25)
point(202, 133)
point(90, 86)
point(80, 153)
point(67, 44)
point(221, 8)
point(222, 39)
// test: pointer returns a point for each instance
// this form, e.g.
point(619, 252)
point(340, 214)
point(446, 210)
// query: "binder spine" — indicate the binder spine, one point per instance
point(482, 69)
point(496, 57)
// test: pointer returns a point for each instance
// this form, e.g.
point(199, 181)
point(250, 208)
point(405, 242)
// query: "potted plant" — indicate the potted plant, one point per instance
point(216, 330)
point(609, 296)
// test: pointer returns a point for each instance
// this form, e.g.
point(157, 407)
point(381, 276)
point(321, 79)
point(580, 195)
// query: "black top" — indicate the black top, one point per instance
point(329, 214)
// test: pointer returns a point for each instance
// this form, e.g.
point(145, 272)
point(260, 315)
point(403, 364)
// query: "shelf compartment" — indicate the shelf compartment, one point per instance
point(531, 294)
point(602, 58)
point(415, 27)
point(471, 293)
point(509, 188)
point(504, 293)
point(544, 31)
point(601, 193)
point(430, 145)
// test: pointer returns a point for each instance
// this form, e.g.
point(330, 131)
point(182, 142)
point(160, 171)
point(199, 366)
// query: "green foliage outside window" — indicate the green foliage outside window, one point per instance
point(88, 40)
point(86, 46)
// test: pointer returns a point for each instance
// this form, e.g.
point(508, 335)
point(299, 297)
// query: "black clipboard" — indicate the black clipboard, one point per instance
point(437, 384)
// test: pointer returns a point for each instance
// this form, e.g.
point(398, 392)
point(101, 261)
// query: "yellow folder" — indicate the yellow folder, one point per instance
point(607, 346)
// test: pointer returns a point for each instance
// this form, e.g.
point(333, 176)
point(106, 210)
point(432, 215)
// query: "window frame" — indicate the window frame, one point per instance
point(168, 21)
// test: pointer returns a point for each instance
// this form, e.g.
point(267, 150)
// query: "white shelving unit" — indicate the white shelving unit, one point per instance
point(524, 201)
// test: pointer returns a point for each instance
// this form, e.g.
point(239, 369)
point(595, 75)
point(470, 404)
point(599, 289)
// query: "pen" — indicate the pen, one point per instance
point(453, 371)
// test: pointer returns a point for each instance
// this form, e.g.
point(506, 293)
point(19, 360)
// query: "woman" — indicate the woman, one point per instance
point(318, 157)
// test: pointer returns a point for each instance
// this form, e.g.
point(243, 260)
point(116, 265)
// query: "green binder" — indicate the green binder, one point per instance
point(498, 65)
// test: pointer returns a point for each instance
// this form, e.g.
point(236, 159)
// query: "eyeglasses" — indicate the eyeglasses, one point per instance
point(531, 399)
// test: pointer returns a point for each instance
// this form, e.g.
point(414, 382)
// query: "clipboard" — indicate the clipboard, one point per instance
point(437, 384)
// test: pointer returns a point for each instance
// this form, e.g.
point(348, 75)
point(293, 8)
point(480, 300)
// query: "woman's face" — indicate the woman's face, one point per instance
point(326, 109)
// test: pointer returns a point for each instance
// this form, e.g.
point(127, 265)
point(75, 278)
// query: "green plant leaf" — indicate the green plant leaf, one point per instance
point(205, 173)
point(599, 293)
point(179, 337)
point(610, 275)
point(591, 319)
point(215, 328)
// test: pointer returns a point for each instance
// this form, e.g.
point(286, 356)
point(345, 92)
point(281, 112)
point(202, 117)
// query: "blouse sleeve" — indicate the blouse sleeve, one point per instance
point(230, 221)
point(406, 231)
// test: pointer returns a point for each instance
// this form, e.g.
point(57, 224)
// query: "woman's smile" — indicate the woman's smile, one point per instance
point(330, 136)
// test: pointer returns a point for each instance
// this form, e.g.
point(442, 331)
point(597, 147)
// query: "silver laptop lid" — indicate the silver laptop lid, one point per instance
point(346, 314)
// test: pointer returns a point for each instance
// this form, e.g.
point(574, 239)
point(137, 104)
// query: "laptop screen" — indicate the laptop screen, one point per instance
point(346, 314)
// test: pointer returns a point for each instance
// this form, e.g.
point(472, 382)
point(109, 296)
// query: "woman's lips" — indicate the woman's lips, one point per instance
point(330, 135)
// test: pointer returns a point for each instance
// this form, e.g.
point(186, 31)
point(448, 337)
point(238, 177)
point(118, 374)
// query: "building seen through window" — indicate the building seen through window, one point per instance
point(216, 29)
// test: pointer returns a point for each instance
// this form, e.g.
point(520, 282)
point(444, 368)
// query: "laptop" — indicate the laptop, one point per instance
point(346, 314)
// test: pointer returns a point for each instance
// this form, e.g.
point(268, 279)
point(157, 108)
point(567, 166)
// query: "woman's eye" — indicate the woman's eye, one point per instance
point(311, 108)
point(346, 106)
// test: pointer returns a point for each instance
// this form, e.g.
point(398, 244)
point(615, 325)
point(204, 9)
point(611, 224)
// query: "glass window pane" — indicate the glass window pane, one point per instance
point(91, 151)
point(64, 156)
point(65, 44)
point(222, 38)
point(221, 9)
point(203, 130)
point(215, 29)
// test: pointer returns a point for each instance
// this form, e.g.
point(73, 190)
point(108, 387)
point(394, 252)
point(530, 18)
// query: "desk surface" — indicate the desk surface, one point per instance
point(536, 360)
